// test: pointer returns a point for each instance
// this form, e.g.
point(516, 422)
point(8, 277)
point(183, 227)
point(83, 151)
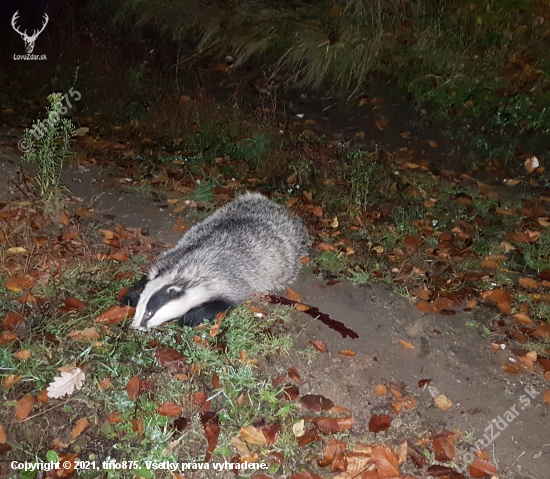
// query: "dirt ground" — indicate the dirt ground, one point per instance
point(453, 351)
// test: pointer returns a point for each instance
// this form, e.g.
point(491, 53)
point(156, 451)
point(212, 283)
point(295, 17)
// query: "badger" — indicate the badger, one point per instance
point(249, 246)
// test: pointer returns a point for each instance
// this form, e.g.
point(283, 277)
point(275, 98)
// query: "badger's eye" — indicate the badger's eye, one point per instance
point(148, 314)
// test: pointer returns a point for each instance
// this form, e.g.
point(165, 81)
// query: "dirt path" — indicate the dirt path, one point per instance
point(452, 351)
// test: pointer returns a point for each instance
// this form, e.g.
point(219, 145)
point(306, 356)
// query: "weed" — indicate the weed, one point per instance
point(251, 150)
point(48, 147)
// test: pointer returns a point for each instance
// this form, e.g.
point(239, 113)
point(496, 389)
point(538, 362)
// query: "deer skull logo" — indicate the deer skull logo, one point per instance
point(28, 39)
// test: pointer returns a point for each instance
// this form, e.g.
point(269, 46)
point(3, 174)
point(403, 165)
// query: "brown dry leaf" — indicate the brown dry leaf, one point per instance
point(73, 305)
point(105, 383)
point(424, 306)
point(42, 396)
point(444, 447)
point(169, 409)
point(3, 435)
point(543, 331)
point(7, 336)
point(294, 374)
point(380, 390)
point(528, 283)
point(512, 182)
point(522, 318)
point(407, 402)
point(319, 345)
point(481, 468)
point(252, 435)
point(318, 211)
point(10, 380)
point(406, 135)
point(406, 344)
point(381, 123)
point(546, 397)
point(316, 402)
point(433, 143)
point(20, 281)
point(386, 461)
point(292, 178)
point(497, 295)
point(293, 295)
point(79, 427)
point(114, 418)
point(327, 247)
point(24, 354)
point(133, 387)
point(505, 308)
point(115, 314)
point(86, 334)
point(348, 352)
point(379, 423)
point(302, 307)
point(422, 292)
point(443, 402)
point(24, 407)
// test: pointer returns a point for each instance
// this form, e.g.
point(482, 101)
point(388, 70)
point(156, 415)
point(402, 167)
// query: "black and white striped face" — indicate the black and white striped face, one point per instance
point(163, 300)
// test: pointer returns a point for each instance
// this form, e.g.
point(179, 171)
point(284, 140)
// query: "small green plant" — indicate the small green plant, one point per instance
point(250, 149)
point(47, 145)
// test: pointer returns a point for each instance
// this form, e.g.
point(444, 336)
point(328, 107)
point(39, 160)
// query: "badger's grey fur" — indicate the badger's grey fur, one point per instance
point(248, 246)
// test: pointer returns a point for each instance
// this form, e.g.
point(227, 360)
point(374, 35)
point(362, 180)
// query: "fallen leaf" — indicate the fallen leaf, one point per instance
point(24, 407)
point(443, 403)
point(444, 447)
point(387, 462)
point(294, 374)
point(380, 390)
point(86, 334)
point(73, 305)
point(252, 435)
point(348, 352)
point(169, 409)
point(433, 143)
point(66, 383)
point(3, 435)
point(20, 281)
point(316, 402)
point(318, 345)
point(133, 387)
point(528, 283)
point(406, 344)
point(481, 468)
point(546, 397)
point(522, 318)
point(79, 427)
point(293, 295)
point(115, 314)
point(531, 163)
point(379, 423)
point(24, 354)
point(7, 337)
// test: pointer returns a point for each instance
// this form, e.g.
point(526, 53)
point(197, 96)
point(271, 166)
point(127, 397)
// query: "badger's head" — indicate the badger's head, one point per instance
point(164, 299)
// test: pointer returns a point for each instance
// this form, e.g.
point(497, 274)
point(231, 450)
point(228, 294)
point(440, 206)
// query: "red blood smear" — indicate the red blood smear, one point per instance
point(323, 317)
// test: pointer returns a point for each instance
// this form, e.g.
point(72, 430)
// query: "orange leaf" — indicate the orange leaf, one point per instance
point(302, 307)
point(433, 143)
point(115, 314)
point(406, 344)
point(74, 305)
point(7, 336)
point(294, 374)
point(133, 387)
point(423, 306)
point(169, 409)
point(546, 398)
point(319, 345)
point(347, 352)
point(293, 295)
point(80, 425)
point(24, 354)
point(386, 461)
point(24, 407)
point(522, 318)
point(529, 283)
point(380, 390)
point(480, 468)
point(11, 320)
point(20, 281)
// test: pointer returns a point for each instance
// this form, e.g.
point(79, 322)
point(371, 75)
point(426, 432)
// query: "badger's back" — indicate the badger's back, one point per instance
point(248, 246)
